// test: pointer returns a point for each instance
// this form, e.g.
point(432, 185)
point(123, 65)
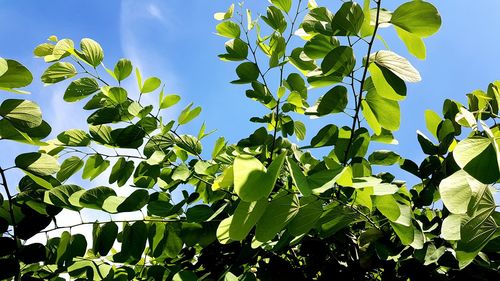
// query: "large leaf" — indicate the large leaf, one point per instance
point(246, 215)
point(477, 156)
point(104, 237)
point(23, 114)
point(398, 65)
point(319, 46)
point(13, 74)
point(122, 69)
point(252, 181)
point(37, 163)
point(94, 166)
point(309, 213)
point(278, 214)
point(417, 17)
point(119, 204)
point(456, 191)
point(388, 206)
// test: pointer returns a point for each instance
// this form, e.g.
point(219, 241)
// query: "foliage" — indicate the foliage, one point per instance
point(264, 208)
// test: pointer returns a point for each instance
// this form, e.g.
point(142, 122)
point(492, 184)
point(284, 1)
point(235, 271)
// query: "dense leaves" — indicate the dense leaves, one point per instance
point(263, 208)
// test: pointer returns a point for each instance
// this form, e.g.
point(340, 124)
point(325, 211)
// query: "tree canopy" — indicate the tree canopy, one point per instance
point(280, 204)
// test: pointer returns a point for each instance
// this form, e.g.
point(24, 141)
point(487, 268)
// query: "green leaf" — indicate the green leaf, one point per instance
point(58, 72)
point(225, 15)
point(129, 137)
point(117, 95)
point(104, 237)
point(398, 65)
point(119, 204)
point(334, 101)
point(69, 167)
point(432, 121)
point(309, 213)
point(59, 196)
point(15, 75)
point(223, 230)
point(247, 72)
point(384, 158)
point(185, 275)
point(228, 29)
point(388, 206)
point(405, 233)
point(122, 69)
point(151, 84)
point(380, 112)
point(319, 46)
point(121, 171)
point(80, 89)
point(340, 61)
point(94, 166)
point(237, 50)
point(23, 114)
point(450, 230)
point(475, 233)
point(169, 101)
point(348, 19)
point(414, 43)
point(187, 114)
point(478, 157)
point(91, 51)
point(275, 19)
point(456, 191)
point(199, 213)
point(37, 163)
point(252, 181)
point(300, 130)
point(387, 84)
point(101, 134)
point(278, 214)
point(284, 5)
point(246, 215)
point(134, 242)
point(327, 136)
point(3, 66)
point(94, 198)
point(74, 137)
point(417, 17)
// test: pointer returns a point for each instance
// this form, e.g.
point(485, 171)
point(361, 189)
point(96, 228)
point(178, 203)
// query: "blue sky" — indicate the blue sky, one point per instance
point(175, 41)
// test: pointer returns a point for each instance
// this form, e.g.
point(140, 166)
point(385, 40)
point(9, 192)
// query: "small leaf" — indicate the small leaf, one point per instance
point(94, 198)
point(150, 85)
point(122, 69)
point(169, 101)
point(187, 114)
